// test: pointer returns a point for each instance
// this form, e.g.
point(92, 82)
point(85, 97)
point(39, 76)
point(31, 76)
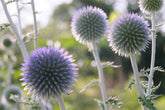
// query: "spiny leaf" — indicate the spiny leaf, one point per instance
point(28, 37)
point(90, 84)
point(156, 87)
point(4, 26)
point(114, 101)
point(147, 102)
point(100, 103)
point(110, 64)
point(153, 97)
point(159, 68)
point(131, 82)
point(11, 1)
point(145, 72)
point(160, 24)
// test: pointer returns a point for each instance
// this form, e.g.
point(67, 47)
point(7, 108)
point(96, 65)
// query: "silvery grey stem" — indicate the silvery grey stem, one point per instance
point(100, 73)
point(19, 19)
point(35, 25)
point(137, 77)
point(150, 78)
point(61, 102)
point(19, 38)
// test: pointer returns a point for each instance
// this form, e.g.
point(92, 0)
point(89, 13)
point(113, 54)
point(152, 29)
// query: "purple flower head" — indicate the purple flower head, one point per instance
point(148, 6)
point(129, 34)
point(89, 24)
point(49, 72)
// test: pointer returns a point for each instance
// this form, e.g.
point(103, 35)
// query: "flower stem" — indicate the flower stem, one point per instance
point(101, 75)
point(137, 77)
point(35, 25)
point(19, 19)
point(19, 38)
point(150, 78)
point(61, 102)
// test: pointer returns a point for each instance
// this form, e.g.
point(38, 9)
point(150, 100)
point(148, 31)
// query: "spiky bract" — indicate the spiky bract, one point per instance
point(129, 34)
point(89, 24)
point(149, 6)
point(49, 72)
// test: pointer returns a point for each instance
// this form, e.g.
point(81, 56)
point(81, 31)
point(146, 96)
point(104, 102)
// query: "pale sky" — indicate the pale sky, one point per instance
point(44, 7)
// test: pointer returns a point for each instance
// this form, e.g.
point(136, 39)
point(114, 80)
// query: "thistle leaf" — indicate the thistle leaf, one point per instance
point(100, 103)
point(131, 82)
point(110, 64)
point(90, 84)
point(147, 102)
point(4, 26)
point(156, 87)
point(114, 101)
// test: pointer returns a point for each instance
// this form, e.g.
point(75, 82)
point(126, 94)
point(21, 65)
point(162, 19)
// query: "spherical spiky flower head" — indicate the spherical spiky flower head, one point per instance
point(49, 72)
point(9, 91)
point(7, 42)
point(129, 34)
point(89, 24)
point(149, 6)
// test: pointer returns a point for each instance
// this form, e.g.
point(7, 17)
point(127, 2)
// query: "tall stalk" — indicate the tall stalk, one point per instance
point(150, 79)
point(19, 19)
point(61, 102)
point(137, 77)
point(35, 25)
point(13, 27)
point(100, 73)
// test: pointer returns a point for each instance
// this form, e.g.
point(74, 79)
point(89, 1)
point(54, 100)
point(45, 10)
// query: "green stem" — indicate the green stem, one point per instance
point(150, 78)
point(100, 73)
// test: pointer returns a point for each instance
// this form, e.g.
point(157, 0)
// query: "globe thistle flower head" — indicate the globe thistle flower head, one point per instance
point(129, 34)
point(48, 72)
point(148, 6)
point(89, 24)
point(7, 42)
point(11, 90)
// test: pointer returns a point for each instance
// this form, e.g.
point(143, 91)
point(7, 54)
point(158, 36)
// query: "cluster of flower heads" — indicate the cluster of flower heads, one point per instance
point(129, 34)
point(49, 72)
point(89, 24)
point(148, 6)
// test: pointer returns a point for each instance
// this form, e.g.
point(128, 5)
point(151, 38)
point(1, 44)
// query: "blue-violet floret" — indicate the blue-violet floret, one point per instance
point(49, 72)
